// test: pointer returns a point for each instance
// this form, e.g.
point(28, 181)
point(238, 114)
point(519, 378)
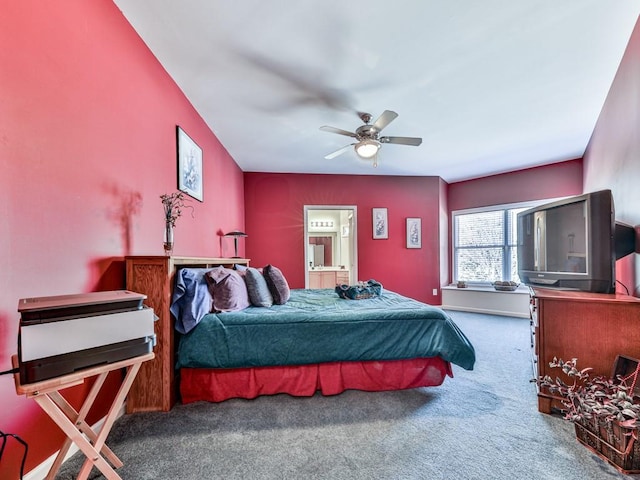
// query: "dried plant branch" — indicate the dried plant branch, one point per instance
point(173, 204)
point(587, 397)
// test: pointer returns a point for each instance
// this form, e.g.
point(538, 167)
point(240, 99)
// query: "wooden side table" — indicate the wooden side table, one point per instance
point(47, 394)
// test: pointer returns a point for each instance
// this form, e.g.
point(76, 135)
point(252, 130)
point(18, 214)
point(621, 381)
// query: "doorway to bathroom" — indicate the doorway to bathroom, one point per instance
point(331, 247)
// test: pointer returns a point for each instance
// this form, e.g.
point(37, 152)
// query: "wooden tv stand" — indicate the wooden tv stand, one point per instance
point(592, 327)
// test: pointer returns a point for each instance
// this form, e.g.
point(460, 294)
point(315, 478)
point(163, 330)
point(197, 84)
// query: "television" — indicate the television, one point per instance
point(573, 243)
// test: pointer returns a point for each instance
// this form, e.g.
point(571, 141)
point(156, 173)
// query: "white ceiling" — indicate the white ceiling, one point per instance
point(490, 86)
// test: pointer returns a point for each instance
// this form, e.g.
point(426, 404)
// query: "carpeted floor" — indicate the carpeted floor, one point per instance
point(481, 424)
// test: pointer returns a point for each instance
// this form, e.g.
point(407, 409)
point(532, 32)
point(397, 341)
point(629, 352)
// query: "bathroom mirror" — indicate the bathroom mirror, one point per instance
point(330, 241)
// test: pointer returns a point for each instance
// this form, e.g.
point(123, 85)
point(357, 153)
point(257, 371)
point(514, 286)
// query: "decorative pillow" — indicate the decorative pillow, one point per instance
point(191, 298)
point(259, 294)
point(277, 284)
point(228, 290)
point(218, 274)
point(241, 269)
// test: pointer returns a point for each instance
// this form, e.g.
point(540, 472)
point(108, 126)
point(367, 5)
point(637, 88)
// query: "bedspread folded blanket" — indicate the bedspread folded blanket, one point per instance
point(363, 291)
point(317, 326)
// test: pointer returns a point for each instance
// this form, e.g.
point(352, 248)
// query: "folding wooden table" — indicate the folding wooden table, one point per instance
point(92, 443)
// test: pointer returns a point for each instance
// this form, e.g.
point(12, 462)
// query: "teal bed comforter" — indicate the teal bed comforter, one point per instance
point(317, 326)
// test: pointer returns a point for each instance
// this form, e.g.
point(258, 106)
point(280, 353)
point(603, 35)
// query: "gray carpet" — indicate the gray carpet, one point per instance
point(482, 424)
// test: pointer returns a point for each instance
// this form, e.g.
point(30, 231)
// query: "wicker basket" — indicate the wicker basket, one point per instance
point(611, 442)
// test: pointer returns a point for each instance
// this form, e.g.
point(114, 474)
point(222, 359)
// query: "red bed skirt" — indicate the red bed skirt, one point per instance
point(216, 385)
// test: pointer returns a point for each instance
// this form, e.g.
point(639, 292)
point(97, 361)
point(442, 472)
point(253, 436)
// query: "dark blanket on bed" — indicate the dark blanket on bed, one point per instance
point(317, 326)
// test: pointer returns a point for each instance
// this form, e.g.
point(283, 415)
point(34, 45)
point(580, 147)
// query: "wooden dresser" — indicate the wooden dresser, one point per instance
point(155, 387)
point(592, 327)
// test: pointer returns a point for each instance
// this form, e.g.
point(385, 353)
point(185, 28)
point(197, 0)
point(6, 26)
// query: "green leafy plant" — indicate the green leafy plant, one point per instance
point(585, 397)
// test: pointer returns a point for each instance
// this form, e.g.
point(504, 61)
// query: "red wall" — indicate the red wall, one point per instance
point(87, 146)
point(274, 219)
point(612, 159)
point(546, 182)
point(275, 212)
point(549, 181)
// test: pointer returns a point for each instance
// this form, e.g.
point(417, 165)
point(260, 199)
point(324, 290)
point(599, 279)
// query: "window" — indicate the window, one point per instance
point(485, 244)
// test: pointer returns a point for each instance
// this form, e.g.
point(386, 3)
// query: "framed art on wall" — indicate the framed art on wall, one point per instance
point(414, 233)
point(189, 165)
point(380, 223)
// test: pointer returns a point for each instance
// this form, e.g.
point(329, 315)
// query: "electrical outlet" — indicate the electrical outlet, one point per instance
point(435, 291)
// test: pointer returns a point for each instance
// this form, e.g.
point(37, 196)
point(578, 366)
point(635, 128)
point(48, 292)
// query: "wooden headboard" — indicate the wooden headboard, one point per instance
point(156, 386)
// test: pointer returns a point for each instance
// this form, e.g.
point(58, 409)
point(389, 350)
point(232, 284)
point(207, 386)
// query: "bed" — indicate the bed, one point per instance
point(315, 341)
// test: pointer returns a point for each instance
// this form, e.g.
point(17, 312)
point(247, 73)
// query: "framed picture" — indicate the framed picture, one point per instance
point(380, 223)
point(189, 165)
point(414, 233)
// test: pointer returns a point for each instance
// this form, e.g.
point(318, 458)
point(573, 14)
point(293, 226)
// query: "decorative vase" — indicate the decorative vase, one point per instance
point(168, 238)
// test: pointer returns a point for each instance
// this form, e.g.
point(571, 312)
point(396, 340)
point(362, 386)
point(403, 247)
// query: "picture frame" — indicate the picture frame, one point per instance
point(380, 223)
point(190, 179)
point(414, 232)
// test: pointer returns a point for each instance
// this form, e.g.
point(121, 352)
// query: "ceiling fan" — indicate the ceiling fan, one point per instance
point(368, 137)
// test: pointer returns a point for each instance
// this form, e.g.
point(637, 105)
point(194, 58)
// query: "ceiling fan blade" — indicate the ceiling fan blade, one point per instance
point(385, 119)
point(306, 86)
point(401, 140)
point(326, 128)
point(339, 152)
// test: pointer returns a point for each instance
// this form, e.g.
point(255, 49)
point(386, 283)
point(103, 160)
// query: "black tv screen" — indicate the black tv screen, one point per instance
point(569, 244)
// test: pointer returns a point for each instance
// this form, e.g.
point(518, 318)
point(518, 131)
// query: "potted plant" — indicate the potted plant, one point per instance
point(172, 203)
point(604, 410)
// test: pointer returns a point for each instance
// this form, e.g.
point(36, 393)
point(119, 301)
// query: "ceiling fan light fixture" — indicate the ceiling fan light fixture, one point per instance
point(367, 148)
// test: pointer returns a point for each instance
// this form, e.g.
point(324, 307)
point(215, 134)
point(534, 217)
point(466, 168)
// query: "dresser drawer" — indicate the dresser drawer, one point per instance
point(342, 277)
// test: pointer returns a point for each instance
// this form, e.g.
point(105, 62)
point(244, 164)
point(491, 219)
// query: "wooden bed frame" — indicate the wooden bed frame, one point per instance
point(157, 386)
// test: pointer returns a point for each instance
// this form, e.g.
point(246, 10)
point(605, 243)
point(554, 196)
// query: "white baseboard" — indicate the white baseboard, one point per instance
point(41, 471)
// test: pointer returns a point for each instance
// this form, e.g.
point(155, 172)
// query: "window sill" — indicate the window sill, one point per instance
point(522, 289)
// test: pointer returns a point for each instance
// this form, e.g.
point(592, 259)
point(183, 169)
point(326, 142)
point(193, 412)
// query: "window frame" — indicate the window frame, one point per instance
point(506, 247)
